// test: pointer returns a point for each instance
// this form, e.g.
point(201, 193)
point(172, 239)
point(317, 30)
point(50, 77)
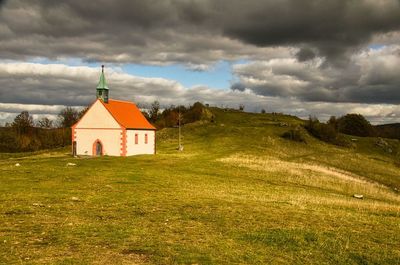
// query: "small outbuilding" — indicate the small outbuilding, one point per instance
point(112, 127)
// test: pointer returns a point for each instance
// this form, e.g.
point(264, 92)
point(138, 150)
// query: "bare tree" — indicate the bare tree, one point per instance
point(45, 123)
point(68, 117)
point(23, 122)
point(154, 111)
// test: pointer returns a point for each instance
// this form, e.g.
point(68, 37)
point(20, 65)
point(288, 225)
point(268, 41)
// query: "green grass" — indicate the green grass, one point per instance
point(237, 194)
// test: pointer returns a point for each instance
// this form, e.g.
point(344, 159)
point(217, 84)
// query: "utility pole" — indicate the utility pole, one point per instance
point(180, 147)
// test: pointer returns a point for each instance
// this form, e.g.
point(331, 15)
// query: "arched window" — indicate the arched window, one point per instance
point(145, 139)
point(136, 138)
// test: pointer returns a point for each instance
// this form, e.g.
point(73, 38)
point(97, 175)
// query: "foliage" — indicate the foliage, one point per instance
point(355, 124)
point(171, 116)
point(22, 136)
point(23, 123)
point(295, 134)
point(9, 140)
point(325, 132)
point(397, 157)
point(44, 123)
point(193, 113)
point(154, 111)
point(388, 130)
point(145, 114)
point(333, 122)
point(37, 139)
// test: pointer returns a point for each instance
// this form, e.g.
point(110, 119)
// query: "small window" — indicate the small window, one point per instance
point(136, 138)
point(145, 138)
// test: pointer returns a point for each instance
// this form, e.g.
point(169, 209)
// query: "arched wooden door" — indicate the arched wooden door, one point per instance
point(97, 148)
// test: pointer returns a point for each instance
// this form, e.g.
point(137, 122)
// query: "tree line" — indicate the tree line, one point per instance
point(25, 134)
point(173, 115)
point(350, 124)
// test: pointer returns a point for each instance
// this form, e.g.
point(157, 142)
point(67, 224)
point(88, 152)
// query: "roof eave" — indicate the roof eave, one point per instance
point(142, 129)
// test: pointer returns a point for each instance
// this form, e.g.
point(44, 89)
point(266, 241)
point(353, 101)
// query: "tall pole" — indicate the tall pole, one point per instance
point(179, 128)
point(180, 147)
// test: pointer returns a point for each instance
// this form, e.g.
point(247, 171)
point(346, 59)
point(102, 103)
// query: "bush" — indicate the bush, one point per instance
point(325, 132)
point(37, 139)
point(355, 124)
point(170, 116)
point(397, 157)
point(321, 131)
point(294, 135)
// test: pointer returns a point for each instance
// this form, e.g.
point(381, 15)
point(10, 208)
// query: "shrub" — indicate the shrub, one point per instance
point(355, 124)
point(170, 116)
point(397, 157)
point(325, 132)
point(37, 139)
point(294, 135)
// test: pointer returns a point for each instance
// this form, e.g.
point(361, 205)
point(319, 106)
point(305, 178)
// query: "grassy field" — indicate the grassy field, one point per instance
point(237, 194)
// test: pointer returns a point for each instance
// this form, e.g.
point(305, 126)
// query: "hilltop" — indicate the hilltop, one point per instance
point(238, 193)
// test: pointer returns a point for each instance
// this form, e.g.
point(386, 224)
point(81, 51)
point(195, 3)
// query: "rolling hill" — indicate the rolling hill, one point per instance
point(238, 194)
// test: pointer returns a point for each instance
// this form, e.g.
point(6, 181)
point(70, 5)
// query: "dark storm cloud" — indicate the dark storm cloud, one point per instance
point(185, 31)
point(305, 54)
point(369, 77)
point(238, 86)
point(310, 51)
point(333, 27)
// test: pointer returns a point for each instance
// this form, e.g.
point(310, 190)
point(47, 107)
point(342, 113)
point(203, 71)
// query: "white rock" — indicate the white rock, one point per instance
point(17, 165)
point(358, 196)
point(71, 164)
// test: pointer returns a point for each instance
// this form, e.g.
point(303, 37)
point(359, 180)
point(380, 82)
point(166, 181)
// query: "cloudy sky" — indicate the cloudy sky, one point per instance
point(315, 57)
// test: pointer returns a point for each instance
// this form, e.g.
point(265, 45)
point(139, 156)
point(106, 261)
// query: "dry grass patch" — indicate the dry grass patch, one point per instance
point(312, 175)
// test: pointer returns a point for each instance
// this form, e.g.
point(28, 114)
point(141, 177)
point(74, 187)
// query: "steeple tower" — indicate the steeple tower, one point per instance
point(102, 88)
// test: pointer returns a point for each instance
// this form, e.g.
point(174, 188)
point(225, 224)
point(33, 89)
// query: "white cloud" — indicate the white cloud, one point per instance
point(54, 86)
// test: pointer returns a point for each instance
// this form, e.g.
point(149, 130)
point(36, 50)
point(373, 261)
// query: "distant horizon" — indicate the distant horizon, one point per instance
point(146, 107)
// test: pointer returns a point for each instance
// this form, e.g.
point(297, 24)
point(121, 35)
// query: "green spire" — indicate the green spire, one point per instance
point(102, 88)
point(102, 82)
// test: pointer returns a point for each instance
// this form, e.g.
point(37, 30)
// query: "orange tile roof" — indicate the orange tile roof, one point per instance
point(127, 114)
